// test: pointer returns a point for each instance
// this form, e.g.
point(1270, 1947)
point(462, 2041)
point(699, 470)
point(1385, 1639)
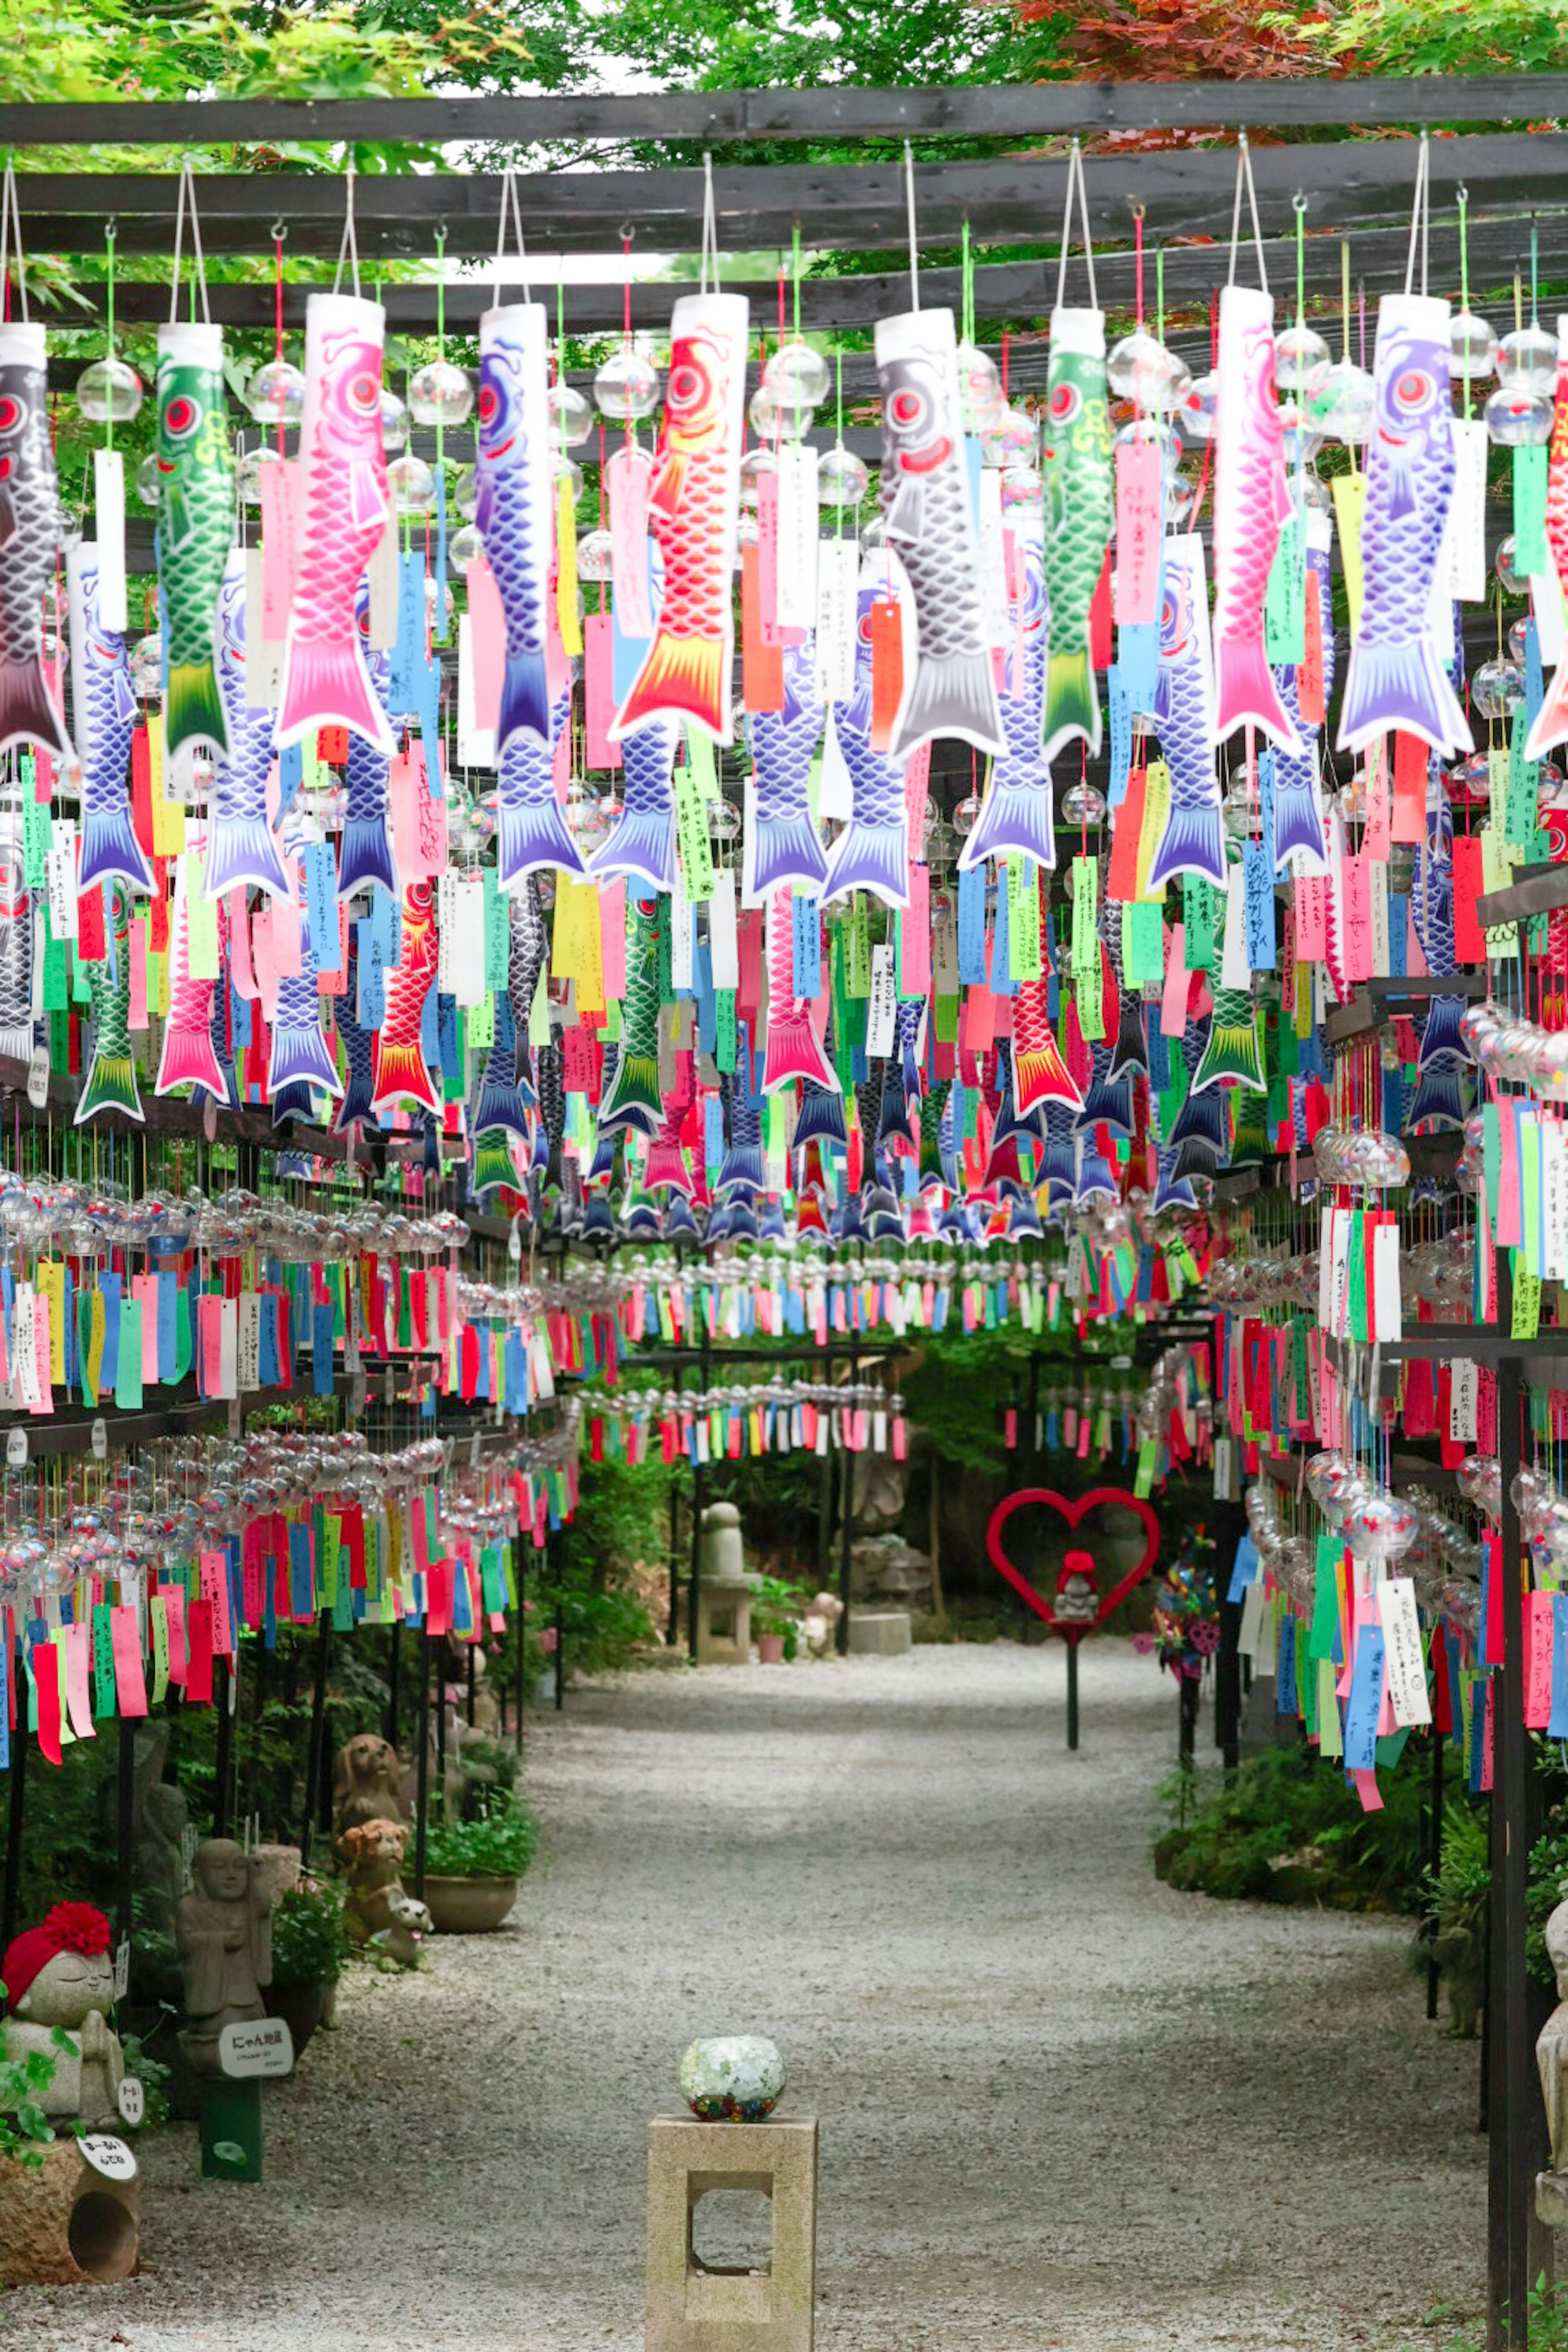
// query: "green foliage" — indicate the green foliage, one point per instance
point(498, 1844)
point(25, 2128)
point(1425, 37)
point(1547, 2325)
point(777, 1606)
point(1286, 1828)
point(152, 2075)
point(310, 1942)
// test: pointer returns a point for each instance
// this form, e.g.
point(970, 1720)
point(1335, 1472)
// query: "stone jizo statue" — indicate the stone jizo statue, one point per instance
point(224, 1931)
point(1551, 2059)
point(61, 1975)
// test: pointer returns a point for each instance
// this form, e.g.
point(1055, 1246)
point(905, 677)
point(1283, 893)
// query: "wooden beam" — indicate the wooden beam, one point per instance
point(1023, 110)
point(1187, 193)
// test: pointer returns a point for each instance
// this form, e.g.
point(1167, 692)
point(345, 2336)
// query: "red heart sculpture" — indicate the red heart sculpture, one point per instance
point(1072, 1512)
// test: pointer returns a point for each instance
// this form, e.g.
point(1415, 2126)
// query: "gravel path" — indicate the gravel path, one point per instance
point(1061, 2106)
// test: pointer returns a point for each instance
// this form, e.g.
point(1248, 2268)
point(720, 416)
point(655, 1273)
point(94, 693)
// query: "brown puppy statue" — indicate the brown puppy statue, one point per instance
point(367, 1776)
point(371, 1855)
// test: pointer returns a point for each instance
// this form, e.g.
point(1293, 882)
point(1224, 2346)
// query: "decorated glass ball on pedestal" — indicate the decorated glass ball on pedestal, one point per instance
point(732, 2078)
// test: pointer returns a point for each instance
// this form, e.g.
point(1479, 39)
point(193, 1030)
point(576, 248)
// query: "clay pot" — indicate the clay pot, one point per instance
point(61, 2222)
point(300, 2007)
point(469, 1907)
point(770, 1649)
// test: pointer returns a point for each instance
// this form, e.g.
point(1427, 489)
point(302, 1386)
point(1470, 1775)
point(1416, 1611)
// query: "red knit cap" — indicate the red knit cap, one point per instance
point(70, 1928)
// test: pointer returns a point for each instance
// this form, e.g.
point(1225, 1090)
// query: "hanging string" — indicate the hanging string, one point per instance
point(1160, 293)
point(10, 209)
point(1462, 198)
point(1075, 179)
point(349, 249)
point(795, 275)
point(1534, 273)
point(1244, 176)
point(1417, 218)
point(709, 225)
point(509, 199)
point(909, 209)
point(198, 266)
point(1138, 263)
point(440, 326)
point(1300, 203)
point(968, 269)
point(108, 237)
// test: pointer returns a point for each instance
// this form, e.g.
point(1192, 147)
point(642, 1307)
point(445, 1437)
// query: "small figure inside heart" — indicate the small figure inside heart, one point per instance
point(1076, 1605)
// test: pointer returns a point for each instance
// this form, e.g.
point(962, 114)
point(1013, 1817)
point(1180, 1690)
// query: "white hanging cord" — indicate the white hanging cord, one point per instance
point(709, 225)
point(1244, 173)
point(910, 212)
point(1420, 216)
point(198, 266)
point(11, 212)
point(349, 249)
point(1075, 178)
point(509, 198)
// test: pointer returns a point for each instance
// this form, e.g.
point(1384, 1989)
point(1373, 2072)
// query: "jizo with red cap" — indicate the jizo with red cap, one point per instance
point(60, 1978)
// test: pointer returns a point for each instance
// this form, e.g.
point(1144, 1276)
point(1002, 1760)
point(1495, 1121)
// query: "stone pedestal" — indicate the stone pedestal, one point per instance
point(691, 2308)
point(724, 1623)
point(61, 2224)
point(880, 1632)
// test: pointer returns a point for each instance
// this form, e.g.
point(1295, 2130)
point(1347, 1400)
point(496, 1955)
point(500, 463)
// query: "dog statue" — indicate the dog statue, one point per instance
point(399, 1942)
point(371, 1855)
point(367, 1779)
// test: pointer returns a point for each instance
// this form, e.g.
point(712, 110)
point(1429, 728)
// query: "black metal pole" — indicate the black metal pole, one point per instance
point(559, 1655)
point(672, 1627)
point(1435, 1858)
point(225, 1694)
point(125, 1830)
point(846, 1517)
point(1072, 1694)
point(394, 1667)
point(1516, 2117)
point(440, 1664)
point(825, 1523)
point(422, 1767)
point(19, 1744)
point(473, 1681)
point(698, 1500)
point(318, 1725)
point(520, 1556)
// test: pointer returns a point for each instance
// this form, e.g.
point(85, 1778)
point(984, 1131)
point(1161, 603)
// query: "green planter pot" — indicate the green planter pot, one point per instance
point(469, 1907)
point(299, 2006)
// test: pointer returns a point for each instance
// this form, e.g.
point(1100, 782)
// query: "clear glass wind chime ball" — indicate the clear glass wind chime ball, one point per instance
point(147, 479)
point(146, 666)
point(1511, 582)
point(276, 393)
point(979, 384)
point(1195, 413)
point(1498, 688)
point(462, 492)
point(464, 547)
point(247, 474)
point(571, 418)
point(842, 477)
point(1518, 416)
point(1472, 348)
point(108, 391)
point(1301, 360)
point(1527, 358)
point(1023, 491)
point(566, 470)
point(394, 422)
point(1083, 803)
point(594, 556)
point(753, 466)
point(412, 484)
point(966, 815)
point(626, 387)
point(772, 412)
point(797, 376)
point(440, 392)
point(1342, 409)
point(1141, 368)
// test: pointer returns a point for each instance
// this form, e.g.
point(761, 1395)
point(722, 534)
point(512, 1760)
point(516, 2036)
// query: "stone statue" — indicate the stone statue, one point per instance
point(371, 1854)
point(158, 1826)
point(1551, 2059)
point(367, 1780)
point(1076, 1602)
point(224, 1931)
point(61, 1977)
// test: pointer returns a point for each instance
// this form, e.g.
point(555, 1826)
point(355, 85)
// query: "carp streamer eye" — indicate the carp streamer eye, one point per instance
point(181, 417)
point(1065, 402)
point(1412, 389)
point(908, 410)
point(364, 392)
point(490, 403)
point(688, 386)
point(13, 415)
